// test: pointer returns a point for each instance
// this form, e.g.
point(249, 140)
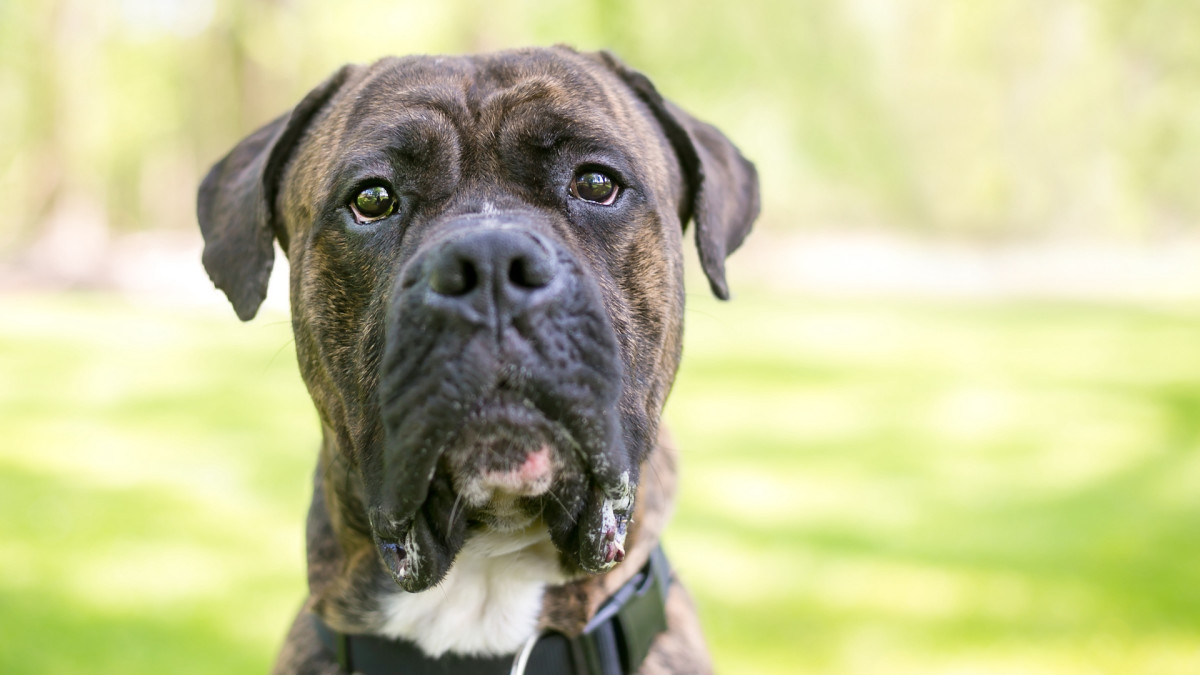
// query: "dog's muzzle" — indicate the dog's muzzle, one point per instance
point(498, 350)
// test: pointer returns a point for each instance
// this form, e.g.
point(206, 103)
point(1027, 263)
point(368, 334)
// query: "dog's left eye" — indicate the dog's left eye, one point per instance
point(595, 187)
point(372, 204)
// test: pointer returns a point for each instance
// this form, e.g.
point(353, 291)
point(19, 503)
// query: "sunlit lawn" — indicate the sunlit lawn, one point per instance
point(869, 487)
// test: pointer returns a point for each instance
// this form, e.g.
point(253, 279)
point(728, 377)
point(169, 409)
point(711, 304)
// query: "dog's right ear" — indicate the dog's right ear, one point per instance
point(236, 203)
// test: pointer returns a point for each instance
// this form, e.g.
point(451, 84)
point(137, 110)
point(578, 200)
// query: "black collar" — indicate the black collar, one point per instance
point(614, 642)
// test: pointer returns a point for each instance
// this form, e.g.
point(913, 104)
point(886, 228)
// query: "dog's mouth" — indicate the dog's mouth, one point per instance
point(516, 457)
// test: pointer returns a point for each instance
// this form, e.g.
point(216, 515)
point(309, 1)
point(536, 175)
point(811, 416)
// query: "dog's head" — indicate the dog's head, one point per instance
point(486, 285)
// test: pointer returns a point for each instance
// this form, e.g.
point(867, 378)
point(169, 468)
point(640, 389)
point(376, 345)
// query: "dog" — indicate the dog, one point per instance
point(486, 282)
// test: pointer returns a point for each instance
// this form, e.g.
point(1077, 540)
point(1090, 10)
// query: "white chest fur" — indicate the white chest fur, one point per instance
point(489, 602)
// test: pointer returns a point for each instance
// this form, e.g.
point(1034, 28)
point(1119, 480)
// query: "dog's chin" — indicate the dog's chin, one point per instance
point(506, 512)
point(510, 466)
point(504, 523)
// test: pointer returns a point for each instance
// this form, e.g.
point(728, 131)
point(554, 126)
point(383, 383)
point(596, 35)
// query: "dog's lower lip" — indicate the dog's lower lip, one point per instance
point(614, 552)
point(396, 558)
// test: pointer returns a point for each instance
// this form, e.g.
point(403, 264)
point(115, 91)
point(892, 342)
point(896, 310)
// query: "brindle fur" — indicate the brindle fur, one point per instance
point(466, 137)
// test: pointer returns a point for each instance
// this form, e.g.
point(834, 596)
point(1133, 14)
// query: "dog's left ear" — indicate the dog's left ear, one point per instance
point(236, 203)
point(722, 184)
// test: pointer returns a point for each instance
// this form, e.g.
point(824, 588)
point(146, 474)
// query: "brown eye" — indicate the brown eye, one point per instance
point(593, 186)
point(373, 203)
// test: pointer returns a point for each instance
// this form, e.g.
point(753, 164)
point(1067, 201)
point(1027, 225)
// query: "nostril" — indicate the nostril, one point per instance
point(517, 273)
point(453, 277)
point(526, 272)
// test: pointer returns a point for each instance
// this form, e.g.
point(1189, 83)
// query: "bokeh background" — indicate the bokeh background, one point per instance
point(949, 423)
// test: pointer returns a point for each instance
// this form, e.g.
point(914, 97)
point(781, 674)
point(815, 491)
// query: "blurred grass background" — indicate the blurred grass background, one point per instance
point(954, 480)
point(900, 487)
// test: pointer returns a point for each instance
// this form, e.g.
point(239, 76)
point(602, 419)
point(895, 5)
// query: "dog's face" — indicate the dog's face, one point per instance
point(486, 286)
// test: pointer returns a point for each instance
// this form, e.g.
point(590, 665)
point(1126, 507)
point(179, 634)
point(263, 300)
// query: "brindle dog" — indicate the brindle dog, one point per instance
point(487, 299)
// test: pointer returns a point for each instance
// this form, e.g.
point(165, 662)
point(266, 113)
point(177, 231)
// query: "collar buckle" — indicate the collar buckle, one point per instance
point(521, 660)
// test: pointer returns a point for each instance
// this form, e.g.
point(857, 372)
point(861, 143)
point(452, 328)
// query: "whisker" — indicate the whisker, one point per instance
point(279, 351)
point(564, 506)
point(657, 477)
point(454, 512)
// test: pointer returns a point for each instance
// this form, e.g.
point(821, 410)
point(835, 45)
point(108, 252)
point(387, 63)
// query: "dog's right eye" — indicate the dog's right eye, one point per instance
point(372, 204)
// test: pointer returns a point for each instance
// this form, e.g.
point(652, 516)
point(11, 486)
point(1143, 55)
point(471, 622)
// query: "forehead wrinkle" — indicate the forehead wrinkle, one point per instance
point(404, 107)
point(402, 135)
point(566, 94)
point(359, 165)
point(551, 125)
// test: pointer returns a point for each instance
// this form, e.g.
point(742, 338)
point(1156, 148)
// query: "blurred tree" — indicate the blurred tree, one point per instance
point(997, 118)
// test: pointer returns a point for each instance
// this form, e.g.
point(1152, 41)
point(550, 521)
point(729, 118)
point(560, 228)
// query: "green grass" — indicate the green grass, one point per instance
point(868, 487)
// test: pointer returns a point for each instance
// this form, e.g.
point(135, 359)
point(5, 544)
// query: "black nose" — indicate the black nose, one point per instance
point(488, 269)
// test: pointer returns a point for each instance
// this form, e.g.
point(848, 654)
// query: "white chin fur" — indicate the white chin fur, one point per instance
point(489, 602)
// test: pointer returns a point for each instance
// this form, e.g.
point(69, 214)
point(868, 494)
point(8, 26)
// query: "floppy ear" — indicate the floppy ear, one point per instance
point(236, 203)
point(722, 185)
